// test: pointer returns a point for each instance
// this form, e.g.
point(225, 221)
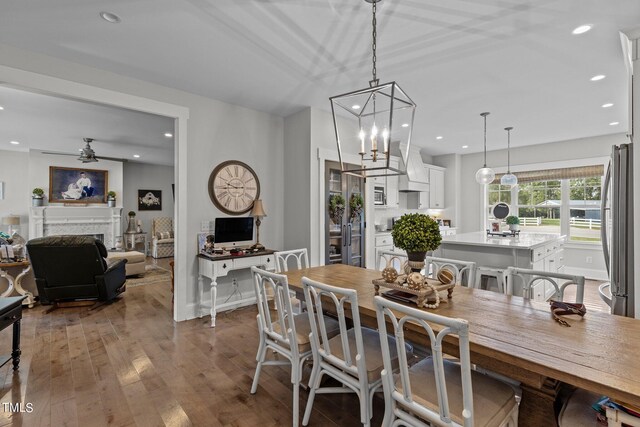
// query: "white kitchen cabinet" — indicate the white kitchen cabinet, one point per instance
point(423, 200)
point(436, 188)
point(393, 200)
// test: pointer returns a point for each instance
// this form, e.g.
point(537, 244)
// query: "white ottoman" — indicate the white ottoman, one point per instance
point(135, 261)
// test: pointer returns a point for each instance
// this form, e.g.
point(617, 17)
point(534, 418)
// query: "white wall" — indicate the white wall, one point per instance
point(471, 203)
point(216, 132)
point(297, 181)
point(17, 194)
point(143, 176)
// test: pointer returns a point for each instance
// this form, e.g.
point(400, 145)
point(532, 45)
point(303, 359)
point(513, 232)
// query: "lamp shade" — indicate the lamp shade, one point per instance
point(11, 220)
point(258, 209)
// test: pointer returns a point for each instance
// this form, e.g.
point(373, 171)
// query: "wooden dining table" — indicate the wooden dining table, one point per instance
point(519, 339)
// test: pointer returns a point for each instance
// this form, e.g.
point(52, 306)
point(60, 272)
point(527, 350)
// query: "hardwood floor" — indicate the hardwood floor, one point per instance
point(129, 364)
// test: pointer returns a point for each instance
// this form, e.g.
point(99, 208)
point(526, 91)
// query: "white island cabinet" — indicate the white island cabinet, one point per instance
point(536, 251)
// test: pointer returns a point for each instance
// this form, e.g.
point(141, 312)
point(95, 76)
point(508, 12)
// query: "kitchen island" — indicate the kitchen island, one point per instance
point(537, 251)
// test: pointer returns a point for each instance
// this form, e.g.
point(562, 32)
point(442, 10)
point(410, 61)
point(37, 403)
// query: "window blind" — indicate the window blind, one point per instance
point(557, 174)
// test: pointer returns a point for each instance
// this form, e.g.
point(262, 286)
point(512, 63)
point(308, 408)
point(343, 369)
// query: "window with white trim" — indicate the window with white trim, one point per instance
point(565, 201)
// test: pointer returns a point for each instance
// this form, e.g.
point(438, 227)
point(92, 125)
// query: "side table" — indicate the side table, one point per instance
point(136, 242)
point(16, 283)
point(11, 314)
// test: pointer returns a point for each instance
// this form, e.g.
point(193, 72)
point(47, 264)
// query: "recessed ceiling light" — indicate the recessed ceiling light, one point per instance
point(581, 29)
point(168, 135)
point(439, 137)
point(137, 156)
point(607, 105)
point(14, 142)
point(465, 146)
point(405, 125)
point(355, 107)
point(110, 17)
point(1, 107)
point(614, 123)
point(598, 77)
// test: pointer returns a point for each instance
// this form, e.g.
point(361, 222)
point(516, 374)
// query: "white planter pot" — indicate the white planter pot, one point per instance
point(514, 227)
point(37, 201)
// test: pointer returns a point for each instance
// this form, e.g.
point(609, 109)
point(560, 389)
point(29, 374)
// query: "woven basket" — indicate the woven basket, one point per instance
point(424, 294)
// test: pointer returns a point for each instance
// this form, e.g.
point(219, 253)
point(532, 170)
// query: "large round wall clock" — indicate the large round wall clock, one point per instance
point(233, 186)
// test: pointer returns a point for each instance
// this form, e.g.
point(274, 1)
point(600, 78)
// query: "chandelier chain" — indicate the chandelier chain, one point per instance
point(374, 23)
point(508, 150)
point(485, 138)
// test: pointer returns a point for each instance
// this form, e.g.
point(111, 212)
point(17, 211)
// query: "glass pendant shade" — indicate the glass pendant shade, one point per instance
point(383, 117)
point(485, 176)
point(509, 179)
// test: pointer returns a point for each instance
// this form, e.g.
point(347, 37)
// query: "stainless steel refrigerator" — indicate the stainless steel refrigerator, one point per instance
point(617, 231)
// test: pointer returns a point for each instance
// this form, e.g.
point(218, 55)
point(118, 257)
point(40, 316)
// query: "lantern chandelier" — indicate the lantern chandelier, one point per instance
point(369, 121)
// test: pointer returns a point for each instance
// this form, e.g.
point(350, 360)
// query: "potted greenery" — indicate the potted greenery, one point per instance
point(355, 203)
point(417, 234)
point(111, 199)
point(513, 222)
point(336, 207)
point(37, 197)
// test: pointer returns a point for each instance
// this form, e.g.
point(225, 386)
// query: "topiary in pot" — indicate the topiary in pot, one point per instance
point(37, 197)
point(417, 234)
point(513, 222)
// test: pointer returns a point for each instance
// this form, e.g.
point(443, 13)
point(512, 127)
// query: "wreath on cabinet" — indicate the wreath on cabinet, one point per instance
point(356, 204)
point(336, 207)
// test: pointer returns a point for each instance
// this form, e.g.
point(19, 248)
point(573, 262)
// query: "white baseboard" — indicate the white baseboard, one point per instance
point(589, 273)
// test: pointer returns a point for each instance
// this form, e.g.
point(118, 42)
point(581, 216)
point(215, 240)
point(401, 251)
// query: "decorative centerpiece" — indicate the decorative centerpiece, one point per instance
point(37, 197)
point(513, 222)
point(417, 234)
point(111, 199)
point(336, 207)
point(131, 228)
point(356, 203)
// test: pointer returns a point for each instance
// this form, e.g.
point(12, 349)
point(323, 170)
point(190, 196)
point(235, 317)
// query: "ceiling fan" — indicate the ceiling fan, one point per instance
point(87, 155)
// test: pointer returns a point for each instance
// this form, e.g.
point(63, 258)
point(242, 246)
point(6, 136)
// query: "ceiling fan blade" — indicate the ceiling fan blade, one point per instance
point(56, 153)
point(113, 159)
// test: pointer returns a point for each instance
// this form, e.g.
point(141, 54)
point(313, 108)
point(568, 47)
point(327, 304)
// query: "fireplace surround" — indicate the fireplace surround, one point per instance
point(93, 220)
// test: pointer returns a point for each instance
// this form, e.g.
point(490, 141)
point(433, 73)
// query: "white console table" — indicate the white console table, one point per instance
point(212, 268)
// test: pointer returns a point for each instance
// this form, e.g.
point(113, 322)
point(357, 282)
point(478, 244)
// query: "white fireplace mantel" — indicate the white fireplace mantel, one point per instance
point(57, 220)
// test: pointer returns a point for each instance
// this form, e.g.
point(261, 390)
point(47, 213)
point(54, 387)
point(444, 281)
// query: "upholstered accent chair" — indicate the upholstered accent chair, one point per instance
point(162, 237)
point(69, 268)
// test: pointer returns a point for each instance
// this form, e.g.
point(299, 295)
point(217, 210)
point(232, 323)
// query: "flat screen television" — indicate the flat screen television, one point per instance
point(234, 231)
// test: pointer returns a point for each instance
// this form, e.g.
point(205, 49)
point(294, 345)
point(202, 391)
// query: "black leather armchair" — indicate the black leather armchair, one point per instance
point(69, 268)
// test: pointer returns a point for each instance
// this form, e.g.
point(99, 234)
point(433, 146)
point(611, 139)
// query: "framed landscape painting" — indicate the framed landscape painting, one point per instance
point(76, 185)
point(149, 200)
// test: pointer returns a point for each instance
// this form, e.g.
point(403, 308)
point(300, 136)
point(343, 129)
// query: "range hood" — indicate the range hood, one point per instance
point(416, 179)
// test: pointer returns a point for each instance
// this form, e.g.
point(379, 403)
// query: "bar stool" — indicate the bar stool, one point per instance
point(490, 273)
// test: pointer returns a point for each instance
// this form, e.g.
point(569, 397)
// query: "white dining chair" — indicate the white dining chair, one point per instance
point(437, 391)
point(282, 331)
point(528, 278)
point(464, 271)
point(386, 256)
point(297, 257)
point(576, 410)
point(352, 357)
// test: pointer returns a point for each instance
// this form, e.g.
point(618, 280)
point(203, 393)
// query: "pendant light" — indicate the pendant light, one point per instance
point(368, 121)
point(509, 178)
point(485, 175)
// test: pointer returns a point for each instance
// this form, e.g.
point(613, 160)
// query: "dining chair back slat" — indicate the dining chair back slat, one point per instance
point(296, 258)
point(390, 258)
point(530, 278)
point(464, 271)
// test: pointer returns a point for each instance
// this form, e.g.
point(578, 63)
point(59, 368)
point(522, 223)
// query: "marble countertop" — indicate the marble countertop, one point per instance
point(523, 241)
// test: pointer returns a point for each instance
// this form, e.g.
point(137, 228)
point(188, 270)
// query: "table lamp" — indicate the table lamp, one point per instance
point(258, 212)
point(10, 221)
